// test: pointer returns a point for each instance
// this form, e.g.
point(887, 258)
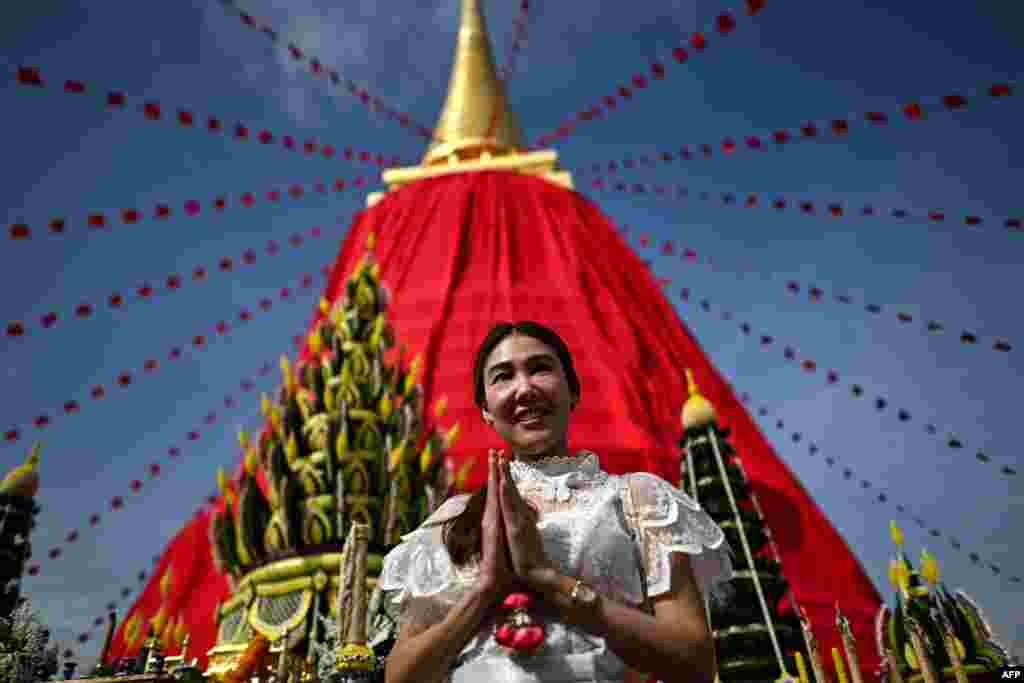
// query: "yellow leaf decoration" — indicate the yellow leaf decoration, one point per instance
point(426, 457)
point(894, 574)
point(896, 534)
point(396, 456)
point(929, 567)
point(315, 341)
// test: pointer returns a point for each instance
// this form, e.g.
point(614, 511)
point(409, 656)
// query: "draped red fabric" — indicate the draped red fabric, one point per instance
point(463, 251)
point(185, 585)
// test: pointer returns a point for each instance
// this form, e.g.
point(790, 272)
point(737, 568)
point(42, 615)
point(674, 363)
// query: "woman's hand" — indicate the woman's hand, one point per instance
point(496, 576)
point(525, 545)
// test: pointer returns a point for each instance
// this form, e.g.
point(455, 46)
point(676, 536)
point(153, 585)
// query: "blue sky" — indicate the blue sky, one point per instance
point(66, 156)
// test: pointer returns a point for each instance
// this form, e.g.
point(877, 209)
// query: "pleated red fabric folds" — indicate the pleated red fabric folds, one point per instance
point(462, 251)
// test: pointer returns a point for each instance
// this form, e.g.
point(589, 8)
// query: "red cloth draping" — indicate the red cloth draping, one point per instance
point(462, 251)
point(185, 585)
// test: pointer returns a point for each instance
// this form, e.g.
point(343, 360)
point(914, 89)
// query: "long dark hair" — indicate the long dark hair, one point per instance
point(462, 535)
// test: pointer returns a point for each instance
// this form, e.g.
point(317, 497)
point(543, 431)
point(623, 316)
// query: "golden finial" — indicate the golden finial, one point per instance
point(896, 534)
point(476, 118)
point(929, 567)
point(325, 305)
point(371, 240)
point(697, 411)
point(23, 480)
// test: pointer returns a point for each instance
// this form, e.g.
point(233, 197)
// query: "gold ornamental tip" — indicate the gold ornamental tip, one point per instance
point(475, 120)
point(697, 411)
point(371, 240)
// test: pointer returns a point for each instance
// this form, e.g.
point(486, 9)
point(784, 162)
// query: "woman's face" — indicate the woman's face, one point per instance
point(528, 399)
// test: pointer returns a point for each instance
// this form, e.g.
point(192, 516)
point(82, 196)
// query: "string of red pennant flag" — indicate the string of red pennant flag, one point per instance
point(882, 496)
point(832, 378)
point(199, 341)
point(173, 282)
point(815, 294)
point(154, 469)
point(697, 43)
point(99, 221)
point(519, 35)
point(317, 69)
point(154, 110)
point(916, 110)
point(806, 207)
point(85, 635)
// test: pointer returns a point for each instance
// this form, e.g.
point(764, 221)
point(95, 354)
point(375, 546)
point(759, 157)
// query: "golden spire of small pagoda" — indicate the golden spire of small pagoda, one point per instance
point(476, 118)
point(697, 411)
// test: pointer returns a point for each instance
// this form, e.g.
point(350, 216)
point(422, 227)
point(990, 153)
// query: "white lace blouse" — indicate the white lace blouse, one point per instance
point(616, 533)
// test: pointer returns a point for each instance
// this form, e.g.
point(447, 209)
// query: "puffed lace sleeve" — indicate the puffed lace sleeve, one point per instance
point(418, 579)
point(669, 521)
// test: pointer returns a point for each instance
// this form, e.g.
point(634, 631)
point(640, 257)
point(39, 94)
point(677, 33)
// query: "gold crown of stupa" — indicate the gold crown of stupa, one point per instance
point(477, 130)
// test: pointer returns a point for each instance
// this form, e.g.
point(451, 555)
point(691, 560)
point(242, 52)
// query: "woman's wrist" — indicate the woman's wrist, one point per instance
point(544, 580)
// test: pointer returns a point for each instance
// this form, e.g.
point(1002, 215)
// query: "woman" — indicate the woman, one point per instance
point(610, 568)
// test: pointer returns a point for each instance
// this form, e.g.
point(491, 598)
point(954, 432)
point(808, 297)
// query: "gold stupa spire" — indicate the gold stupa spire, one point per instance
point(477, 130)
point(476, 119)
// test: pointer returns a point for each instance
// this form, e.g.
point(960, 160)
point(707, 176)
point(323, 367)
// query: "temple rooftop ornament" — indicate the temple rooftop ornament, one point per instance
point(477, 131)
point(697, 411)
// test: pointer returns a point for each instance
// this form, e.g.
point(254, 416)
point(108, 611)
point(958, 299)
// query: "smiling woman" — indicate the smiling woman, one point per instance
point(555, 570)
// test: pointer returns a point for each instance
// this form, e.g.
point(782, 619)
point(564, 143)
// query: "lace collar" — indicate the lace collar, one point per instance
point(584, 463)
